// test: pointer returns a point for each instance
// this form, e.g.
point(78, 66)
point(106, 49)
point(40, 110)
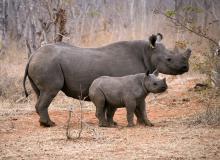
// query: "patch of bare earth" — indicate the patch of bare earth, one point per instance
point(172, 137)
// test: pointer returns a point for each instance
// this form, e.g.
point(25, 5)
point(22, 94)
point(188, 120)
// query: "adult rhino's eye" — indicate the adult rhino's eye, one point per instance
point(154, 84)
point(168, 59)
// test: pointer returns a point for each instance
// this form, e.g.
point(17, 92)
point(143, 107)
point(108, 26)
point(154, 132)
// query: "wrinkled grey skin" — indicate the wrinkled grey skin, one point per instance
point(127, 91)
point(71, 69)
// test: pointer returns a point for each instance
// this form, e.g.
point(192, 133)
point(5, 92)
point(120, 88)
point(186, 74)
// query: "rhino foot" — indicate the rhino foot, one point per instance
point(148, 123)
point(140, 122)
point(47, 124)
point(104, 124)
point(130, 125)
point(112, 124)
point(145, 122)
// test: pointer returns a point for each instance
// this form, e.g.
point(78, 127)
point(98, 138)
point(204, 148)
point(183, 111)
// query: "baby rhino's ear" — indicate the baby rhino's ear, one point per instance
point(147, 73)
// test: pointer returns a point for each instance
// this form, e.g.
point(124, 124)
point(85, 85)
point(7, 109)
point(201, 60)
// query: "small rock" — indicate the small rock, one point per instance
point(185, 99)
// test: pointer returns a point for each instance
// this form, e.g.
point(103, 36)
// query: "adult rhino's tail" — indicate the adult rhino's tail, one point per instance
point(26, 75)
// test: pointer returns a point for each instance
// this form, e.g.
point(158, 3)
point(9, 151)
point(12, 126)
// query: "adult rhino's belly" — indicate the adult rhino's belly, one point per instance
point(80, 70)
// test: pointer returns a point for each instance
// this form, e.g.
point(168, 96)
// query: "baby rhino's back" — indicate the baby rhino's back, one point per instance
point(112, 88)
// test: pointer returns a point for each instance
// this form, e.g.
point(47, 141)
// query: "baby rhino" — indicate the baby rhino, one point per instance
point(110, 93)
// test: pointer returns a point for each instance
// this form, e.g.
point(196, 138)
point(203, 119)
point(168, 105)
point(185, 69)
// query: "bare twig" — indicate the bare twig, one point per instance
point(29, 48)
point(176, 22)
point(80, 118)
point(68, 124)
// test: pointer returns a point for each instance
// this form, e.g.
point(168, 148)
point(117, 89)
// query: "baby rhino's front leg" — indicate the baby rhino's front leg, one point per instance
point(142, 115)
point(110, 111)
point(130, 107)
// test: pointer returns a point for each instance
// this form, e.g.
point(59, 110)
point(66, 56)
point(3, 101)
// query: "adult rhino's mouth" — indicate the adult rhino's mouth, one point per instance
point(174, 71)
point(182, 70)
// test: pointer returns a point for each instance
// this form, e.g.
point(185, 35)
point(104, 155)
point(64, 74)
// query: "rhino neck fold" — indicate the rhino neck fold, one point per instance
point(143, 86)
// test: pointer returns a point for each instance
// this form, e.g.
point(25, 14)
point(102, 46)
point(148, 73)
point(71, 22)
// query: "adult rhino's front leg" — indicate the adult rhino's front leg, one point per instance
point(141, 114)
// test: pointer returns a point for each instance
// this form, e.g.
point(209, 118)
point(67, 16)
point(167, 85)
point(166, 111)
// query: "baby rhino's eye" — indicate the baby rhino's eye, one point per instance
point(154, 83)
point(168, 59)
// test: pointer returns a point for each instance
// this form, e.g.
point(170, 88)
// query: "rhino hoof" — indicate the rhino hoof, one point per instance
point(140, 122)
point(130, 125)
point(103, 124)
point(113, 124)
point(47, 124)
point(149, 124)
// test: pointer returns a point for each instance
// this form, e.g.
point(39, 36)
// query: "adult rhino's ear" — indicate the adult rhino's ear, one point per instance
point(159, 37)
point(156, 72)
point(217, 52)
point(152, 41)
point(187, 53)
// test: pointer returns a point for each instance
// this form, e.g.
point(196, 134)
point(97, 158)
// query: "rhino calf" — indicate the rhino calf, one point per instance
point(127, 91)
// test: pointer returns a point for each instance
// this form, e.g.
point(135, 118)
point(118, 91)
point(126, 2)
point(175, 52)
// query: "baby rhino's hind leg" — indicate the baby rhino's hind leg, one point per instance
point(99, 100)
point(110, 111)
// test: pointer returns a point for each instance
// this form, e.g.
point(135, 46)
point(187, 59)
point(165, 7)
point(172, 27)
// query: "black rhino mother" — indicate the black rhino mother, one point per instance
point(71, 69)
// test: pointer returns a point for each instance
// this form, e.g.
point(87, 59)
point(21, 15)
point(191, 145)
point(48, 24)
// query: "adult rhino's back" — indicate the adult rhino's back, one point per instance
point(73, 69)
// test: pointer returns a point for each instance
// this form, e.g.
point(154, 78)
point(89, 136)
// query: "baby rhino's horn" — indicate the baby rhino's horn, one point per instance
point(164, 80)
point(156, 72)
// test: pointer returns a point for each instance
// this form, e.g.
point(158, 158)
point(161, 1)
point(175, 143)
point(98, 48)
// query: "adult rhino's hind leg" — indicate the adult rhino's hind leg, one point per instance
point(47, 79)
point(43, 103)
point(37, 92)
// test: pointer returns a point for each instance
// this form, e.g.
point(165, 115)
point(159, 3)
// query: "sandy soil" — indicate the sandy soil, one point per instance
point(172, 137)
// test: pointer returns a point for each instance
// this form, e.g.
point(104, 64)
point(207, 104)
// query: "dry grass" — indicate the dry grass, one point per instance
point(211, 102)
point(12, 66)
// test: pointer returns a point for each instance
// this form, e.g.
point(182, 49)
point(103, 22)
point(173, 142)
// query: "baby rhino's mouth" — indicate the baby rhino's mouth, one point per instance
point(163, 89)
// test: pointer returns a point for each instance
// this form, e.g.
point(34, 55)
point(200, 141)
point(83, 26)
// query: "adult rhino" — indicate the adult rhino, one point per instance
point(71, 69)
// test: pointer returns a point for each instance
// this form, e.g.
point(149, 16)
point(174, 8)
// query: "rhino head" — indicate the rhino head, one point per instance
point(153, 84)
point(167, 61)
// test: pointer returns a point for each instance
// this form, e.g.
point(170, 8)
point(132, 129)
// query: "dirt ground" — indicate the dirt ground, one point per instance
point(172, 137)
